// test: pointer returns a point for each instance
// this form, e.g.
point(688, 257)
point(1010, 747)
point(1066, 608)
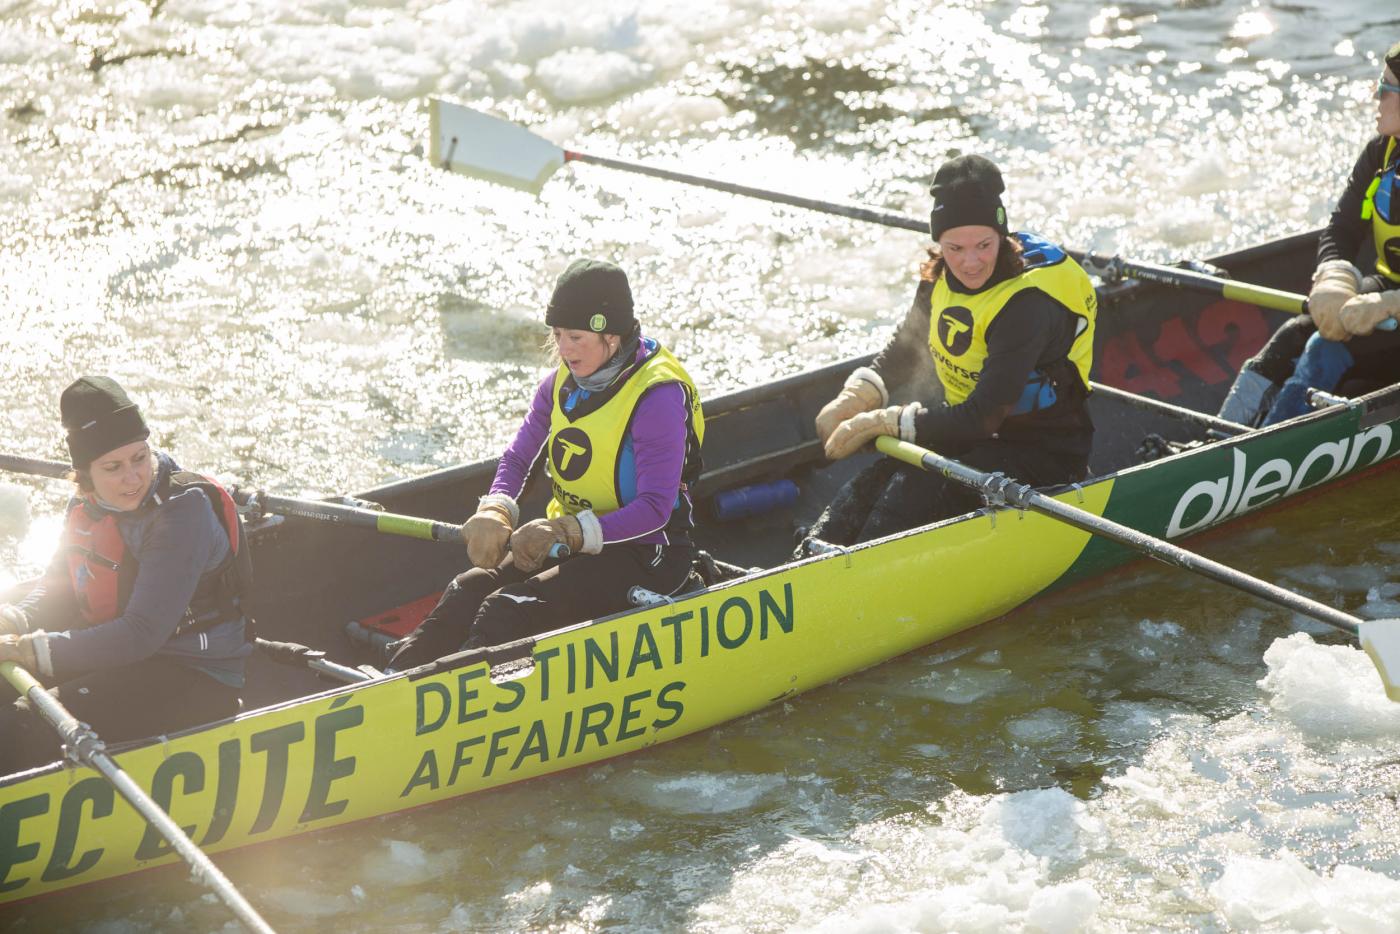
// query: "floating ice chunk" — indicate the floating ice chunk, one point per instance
point(1063, 908)
point(661, 111)
point(1042, 726)
point(709, 794)
point(1206, 175)
point(1330, 691)
point(1048, 823)
point(1277, 894)
point(963, 685)
point(574, 76)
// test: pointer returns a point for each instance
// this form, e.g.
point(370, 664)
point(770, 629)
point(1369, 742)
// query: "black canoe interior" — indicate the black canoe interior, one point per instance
point(313, 577)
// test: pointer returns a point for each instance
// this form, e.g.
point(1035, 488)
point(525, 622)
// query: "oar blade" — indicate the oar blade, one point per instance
point(1381, 640)
point(486, 147)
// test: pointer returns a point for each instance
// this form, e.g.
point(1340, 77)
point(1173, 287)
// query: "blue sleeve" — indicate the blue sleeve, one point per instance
point(183, 542)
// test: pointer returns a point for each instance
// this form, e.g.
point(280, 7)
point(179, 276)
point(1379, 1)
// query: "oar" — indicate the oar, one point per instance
point(86, 747)
point(254, 503)
point(1380, 638)
point(482, 146)
point(390, 523)
point(296, 655)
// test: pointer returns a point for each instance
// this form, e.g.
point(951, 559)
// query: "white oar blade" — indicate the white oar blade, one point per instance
point(487, 147)
point(1381, 640)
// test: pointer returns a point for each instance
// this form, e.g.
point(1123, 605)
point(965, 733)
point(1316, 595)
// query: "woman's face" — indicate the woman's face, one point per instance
point(971, 253)
point(1388, 106)
point(122, 477)
point(583, 352)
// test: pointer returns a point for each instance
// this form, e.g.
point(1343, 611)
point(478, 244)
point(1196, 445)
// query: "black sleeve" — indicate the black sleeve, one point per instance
point(905, 361)
point(1346, 231)
point(1032, 330)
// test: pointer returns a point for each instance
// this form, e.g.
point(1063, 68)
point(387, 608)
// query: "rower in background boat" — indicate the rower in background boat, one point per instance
point(621, 423)
point(1006, 323)
point(138, 620)
point(1338, 343)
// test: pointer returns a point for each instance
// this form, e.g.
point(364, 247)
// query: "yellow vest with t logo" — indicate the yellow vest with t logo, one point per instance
point(1382, 208)
point(958, 323)
point(585, 456)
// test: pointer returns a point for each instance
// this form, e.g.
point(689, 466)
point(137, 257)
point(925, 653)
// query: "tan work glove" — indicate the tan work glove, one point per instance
point(12, 621)
point(531, 542)
point(20, 650)
point(487, 535)
point(1335, 283)
point(863, 390)
point(856, 432)
point(1362, 314)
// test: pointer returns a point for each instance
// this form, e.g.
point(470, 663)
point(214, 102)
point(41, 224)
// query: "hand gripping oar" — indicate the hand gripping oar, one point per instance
point(86, 747)
point(473, 143)
point(1380, 638)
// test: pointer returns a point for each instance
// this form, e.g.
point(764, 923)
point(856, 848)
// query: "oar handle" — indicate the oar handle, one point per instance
point(90, 750)
point(390, 523)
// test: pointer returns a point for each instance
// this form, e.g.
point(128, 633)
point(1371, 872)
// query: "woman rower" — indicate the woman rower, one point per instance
point(622, 425)
point(138, 619)
point(1338, 341)
point(1006, 321)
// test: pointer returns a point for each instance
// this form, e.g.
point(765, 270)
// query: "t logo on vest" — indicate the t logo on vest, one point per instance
point(570, 453)
point(955, 329)
point(1392, 253)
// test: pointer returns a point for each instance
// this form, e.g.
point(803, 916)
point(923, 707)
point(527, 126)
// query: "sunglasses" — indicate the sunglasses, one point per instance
point(1384, 88)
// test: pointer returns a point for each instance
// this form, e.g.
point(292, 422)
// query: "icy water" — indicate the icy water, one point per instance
point(225, 205)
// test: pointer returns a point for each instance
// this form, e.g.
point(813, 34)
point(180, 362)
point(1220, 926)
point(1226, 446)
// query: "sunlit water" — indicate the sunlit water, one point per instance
point(226, 206)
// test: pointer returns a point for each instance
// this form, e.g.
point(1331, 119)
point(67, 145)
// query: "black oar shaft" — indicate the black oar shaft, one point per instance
point(998, 488)
point(1169, 410)
point(89, 750)
point(33, 465)
point(840, 209)
point(1110, 268)
point(387, 522)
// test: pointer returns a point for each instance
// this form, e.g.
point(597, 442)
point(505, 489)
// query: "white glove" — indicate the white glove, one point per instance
point(1335, 283)
point(1364, 313)
point(12, 621)
point(864, 390)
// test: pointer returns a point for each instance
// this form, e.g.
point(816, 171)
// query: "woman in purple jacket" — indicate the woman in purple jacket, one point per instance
point(621, 423)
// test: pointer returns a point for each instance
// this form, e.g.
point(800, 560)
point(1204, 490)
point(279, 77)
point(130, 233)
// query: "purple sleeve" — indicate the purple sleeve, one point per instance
point(519, 457)
point(658, 434)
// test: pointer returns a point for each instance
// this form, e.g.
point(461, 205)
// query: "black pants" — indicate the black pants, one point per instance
point(497, 605)
point(890, 496)
point(147, 698)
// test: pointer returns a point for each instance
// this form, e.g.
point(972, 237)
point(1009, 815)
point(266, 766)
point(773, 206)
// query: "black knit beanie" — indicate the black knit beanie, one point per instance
point(1392, 59)
point(967, 191)
point(99, 418)
point(592, 295)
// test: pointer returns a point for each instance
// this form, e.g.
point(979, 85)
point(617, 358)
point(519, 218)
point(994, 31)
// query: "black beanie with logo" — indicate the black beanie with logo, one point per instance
point(1392, 59)
point(967, 191)
point(592, 295)
point(99, 418)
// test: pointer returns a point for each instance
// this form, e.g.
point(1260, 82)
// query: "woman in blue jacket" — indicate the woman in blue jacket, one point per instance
point(138, 621)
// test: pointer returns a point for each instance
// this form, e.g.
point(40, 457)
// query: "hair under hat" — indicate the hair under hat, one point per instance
point(592, 295)
point(99, 417)
point(967, 191)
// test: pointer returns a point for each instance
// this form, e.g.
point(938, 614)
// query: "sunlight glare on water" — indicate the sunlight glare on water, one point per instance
point(227, 207)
